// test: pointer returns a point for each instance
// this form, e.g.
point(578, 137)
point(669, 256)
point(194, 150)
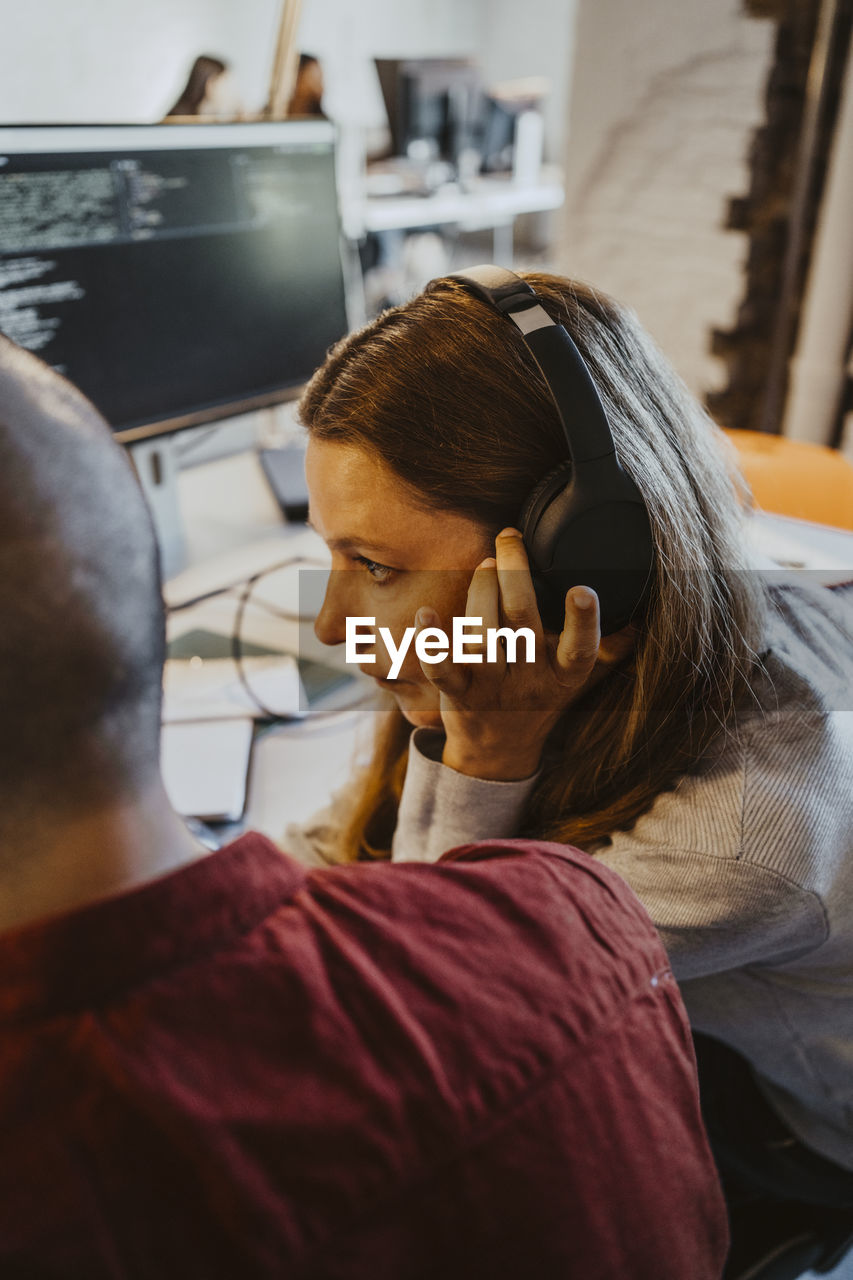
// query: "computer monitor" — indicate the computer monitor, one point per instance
point(176, 273)
point(437, 99)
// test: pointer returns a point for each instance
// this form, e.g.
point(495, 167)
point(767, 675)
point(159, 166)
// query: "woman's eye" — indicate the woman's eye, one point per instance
point(378, 572)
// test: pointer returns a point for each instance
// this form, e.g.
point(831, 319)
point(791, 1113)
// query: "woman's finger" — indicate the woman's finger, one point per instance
point(483, 599)
point(577, 648)
point(438, 668)
point(484, 603)
point(518, 598)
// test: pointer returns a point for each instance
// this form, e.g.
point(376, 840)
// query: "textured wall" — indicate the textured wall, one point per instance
point(665, 95)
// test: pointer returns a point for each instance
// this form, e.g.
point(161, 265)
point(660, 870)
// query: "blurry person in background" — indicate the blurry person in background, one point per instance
point(210, 91)
point(307, 96)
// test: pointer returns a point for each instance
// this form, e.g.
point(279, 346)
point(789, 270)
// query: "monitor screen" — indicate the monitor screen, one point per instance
point(175, 273)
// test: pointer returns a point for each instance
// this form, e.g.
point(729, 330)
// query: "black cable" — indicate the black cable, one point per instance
point(274, 717)
point(237, 647)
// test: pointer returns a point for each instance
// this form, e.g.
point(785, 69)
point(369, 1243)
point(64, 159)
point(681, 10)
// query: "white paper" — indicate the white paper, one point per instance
point(210, 689)
point(205, 766)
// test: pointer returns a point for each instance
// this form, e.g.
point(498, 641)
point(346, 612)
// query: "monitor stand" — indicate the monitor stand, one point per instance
point(156, 465)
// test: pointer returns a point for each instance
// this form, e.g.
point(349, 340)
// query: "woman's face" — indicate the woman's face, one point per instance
point(390, 557)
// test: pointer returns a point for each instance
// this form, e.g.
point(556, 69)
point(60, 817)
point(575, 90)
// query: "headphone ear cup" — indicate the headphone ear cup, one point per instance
point(604, 543)
point(546, 491)
point(541, 497)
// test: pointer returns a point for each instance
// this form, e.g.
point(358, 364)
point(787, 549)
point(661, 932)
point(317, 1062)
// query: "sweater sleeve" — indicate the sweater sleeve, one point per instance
point(441, 808)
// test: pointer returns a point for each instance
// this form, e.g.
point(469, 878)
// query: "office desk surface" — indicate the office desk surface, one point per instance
point(487, 203)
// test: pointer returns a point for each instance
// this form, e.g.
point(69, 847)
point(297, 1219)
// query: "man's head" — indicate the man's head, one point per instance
point(81, 615)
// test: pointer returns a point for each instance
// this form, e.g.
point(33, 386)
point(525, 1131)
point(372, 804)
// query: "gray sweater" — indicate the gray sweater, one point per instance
point(746, 867)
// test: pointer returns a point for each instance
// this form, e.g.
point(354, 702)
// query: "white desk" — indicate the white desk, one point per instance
point(234, 528)
point(489, 202)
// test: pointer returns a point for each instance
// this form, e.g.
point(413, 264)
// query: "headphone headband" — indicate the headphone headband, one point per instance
point(561, 364)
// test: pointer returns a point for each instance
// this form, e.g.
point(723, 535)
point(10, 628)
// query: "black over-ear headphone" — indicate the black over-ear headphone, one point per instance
point(586, 521)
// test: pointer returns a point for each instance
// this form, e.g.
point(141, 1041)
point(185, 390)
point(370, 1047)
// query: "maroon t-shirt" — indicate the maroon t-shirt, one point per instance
point(243, 1069)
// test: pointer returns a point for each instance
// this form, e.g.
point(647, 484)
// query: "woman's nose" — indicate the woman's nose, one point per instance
point(330, 623)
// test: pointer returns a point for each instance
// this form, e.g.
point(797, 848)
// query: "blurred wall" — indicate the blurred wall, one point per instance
point(664, 97)
point(106, 60)
point(116, 59)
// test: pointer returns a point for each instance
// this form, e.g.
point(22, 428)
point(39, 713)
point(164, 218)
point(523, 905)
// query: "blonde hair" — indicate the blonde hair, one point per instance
point(445, 392)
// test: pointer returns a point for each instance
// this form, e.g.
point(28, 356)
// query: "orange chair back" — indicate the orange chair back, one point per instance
point(796, 478)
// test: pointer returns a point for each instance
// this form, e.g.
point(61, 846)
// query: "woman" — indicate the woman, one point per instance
point(209, 91)
point(701, 751)
point(307, 96)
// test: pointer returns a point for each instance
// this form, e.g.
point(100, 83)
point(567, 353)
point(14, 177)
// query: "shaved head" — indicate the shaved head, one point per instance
point(81, 614)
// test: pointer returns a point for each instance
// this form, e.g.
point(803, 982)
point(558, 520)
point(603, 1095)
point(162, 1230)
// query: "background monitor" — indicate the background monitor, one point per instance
point(433, 99)
point(176, 273)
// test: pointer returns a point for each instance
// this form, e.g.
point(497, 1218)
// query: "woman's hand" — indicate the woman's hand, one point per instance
point(497, 715)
